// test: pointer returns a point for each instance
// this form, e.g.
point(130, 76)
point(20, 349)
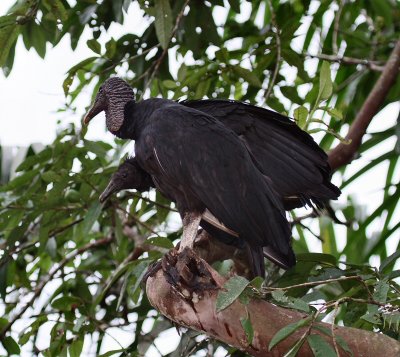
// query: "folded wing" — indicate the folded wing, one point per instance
point(297, 166)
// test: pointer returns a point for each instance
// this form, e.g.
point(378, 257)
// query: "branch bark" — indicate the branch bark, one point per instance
point(185, 290)
point(343, 154)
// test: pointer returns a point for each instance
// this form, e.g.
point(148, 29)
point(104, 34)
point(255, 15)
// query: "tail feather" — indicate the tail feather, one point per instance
point(285, 262)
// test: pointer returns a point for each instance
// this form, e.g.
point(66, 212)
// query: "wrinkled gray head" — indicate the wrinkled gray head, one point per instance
point(112, 97)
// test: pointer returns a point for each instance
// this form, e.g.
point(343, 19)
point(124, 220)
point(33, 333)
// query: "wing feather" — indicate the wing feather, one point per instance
point(296, 165)
point(206, 161)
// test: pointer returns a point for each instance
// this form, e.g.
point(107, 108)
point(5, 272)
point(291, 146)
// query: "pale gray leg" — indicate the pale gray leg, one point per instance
point(191, 223)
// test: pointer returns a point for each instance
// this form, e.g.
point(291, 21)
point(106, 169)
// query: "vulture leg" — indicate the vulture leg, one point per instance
point(191, 223)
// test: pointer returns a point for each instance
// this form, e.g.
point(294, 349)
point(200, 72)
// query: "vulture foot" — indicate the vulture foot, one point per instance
point(188, 273)
point(191, 223)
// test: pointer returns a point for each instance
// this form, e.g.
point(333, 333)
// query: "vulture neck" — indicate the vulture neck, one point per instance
point(136, 116)
point(133, 123)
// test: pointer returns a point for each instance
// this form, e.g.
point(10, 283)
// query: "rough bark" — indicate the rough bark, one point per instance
point(345, 153)
point(185, 290)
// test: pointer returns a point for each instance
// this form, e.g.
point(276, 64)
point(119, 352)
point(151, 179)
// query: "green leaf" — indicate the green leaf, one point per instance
point(295, 348)
point(336, 113)
point(8, 36)
point(50, 176)
point(90, 218)
point(11, 346)
point(389, 261)
point(111, 48)
point(286, 331)
point(72, 72)
point(169, 84)
point(339, 339)
point(3, 278)
point(300, 115)
point(381, 291)
point(113, 352)
point(248, 329)
point(51, 247)
point(233, 288)
point(247, 75)
point(75, 348)
point(94, 45)
point(161, 242)
point(202, 88)
point(391, 320)
point(66, 303)
point(38, 38)
point(163, 22)
point(257, 282)
point(325, 82)
point(320, 347)
point(57, 8)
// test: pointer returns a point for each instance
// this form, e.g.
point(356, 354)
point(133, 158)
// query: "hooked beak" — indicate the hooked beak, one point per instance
point(94, 110)
point(109, 190)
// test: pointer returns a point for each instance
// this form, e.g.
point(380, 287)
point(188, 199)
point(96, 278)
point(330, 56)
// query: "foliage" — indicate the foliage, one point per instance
point(75, 266)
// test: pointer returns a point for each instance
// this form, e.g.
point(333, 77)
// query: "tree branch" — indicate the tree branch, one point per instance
point(278, 53)
point(373, 65)
point(345, 153)
point(186, 289)
point(39, 288)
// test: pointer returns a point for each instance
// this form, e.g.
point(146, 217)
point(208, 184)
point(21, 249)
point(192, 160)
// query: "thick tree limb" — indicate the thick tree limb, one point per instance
point(345, 153)
point(185, 290)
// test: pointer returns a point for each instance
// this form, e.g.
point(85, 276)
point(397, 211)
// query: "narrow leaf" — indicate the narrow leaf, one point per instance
point(248, 76)
point(287, 331)
point(389, 260)
point(163, 22)
point(94, 45)
point(8, 35)
point(248, 329)
point(320, 347)
point(234, 287)
point(10, 345)
point(90, 218)
point(300, 115)
point(381, 291)
point(76, 347)
point(325, 82)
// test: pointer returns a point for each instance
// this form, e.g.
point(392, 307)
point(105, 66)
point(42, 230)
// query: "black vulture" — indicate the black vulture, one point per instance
point(130, 175)
point(234, 159)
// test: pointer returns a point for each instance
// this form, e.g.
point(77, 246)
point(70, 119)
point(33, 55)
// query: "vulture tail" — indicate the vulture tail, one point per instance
point(257, 261)
point(285, 262)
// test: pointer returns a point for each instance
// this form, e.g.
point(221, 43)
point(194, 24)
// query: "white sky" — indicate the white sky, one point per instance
point(31, 95)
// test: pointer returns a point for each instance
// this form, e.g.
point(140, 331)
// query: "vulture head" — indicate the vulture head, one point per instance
point(128, 176)
point(112, 97)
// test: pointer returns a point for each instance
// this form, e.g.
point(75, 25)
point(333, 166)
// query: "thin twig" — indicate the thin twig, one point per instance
point(138, 195)
point(373, 65)
point(64, 228)
point(52, 273)
point(336, 27)
point(312, 283)
point(333, 328)
point(278, 53)
point(136, 219)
